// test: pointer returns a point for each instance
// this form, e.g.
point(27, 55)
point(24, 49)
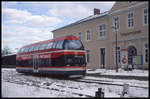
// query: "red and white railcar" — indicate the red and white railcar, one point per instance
point(64, 55)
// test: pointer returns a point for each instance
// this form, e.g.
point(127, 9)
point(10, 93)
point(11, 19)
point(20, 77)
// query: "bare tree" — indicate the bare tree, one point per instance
point(6, 50)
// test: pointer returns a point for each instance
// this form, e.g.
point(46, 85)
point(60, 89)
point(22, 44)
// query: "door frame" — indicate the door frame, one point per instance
point(131, 55)
point(35, 63)
point(100, 57)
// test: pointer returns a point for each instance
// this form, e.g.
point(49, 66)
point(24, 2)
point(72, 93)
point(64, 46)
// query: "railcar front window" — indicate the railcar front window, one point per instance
point(73, 45)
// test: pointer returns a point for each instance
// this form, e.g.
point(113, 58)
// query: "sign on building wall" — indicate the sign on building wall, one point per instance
point(137, 60)
point(124, 57)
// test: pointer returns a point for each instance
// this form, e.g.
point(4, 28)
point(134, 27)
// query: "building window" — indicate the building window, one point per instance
point(79, 35)
point(102, 30)
point(88, 56)
point(116, 22)
point(145, 16)
point(88, 35)
point(130, 20)
point(146, 53)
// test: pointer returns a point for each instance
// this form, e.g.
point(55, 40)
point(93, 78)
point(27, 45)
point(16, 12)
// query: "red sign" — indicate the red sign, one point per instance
point(124, 57)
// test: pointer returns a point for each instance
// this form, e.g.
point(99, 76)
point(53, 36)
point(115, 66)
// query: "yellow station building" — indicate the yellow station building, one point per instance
point(130, 20)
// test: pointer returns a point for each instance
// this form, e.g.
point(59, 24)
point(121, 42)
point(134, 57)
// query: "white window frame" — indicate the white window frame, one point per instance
point(144, 57)
point(144, 15)
point(118, 23)
point(104, 36)
point(89, 35)
point(130, 19)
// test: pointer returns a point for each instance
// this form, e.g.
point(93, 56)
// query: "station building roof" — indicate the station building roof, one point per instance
point(84, 20)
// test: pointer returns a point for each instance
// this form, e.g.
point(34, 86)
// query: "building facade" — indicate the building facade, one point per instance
point(130, 20)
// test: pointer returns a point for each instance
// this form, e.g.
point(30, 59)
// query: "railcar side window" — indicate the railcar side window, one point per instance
point(26, 50)
point(43, 46)
point(31, 49)
point(54, 44)
point(73, 45)
point(22, 50)
point(60, 44)
point(36, 47)
point(49, 45)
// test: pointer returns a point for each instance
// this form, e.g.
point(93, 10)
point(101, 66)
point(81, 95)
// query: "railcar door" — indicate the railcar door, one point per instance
point(35, 63)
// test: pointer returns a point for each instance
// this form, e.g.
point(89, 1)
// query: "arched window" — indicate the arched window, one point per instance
point(132, 51)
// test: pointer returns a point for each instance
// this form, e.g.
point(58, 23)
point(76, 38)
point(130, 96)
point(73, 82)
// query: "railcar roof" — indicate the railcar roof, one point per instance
point(52, 40)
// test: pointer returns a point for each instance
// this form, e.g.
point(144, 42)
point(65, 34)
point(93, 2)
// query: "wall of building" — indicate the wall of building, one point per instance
point(136, 36)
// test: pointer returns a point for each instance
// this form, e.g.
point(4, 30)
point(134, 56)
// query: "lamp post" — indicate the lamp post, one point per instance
point(116, 49)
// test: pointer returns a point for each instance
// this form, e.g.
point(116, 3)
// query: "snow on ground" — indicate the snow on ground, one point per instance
point(19, 85)
point(16, 90)
point(134, 72)
point(121, 81)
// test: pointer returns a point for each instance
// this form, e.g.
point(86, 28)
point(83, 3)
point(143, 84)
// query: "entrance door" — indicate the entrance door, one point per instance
point(35, 63)
point(131, 52)
point(102, 57)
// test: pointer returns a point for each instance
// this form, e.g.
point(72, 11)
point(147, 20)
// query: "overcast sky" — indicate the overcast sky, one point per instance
point(28, 22)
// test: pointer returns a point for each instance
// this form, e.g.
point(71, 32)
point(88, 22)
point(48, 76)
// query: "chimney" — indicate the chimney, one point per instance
point(96, 11)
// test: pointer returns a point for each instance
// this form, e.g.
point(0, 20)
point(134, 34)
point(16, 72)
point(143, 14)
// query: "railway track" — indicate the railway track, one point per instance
point(47, 83)
point(105, 82)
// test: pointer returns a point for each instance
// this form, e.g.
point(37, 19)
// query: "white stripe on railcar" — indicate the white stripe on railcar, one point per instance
point(54, 69)
point(62, 69)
